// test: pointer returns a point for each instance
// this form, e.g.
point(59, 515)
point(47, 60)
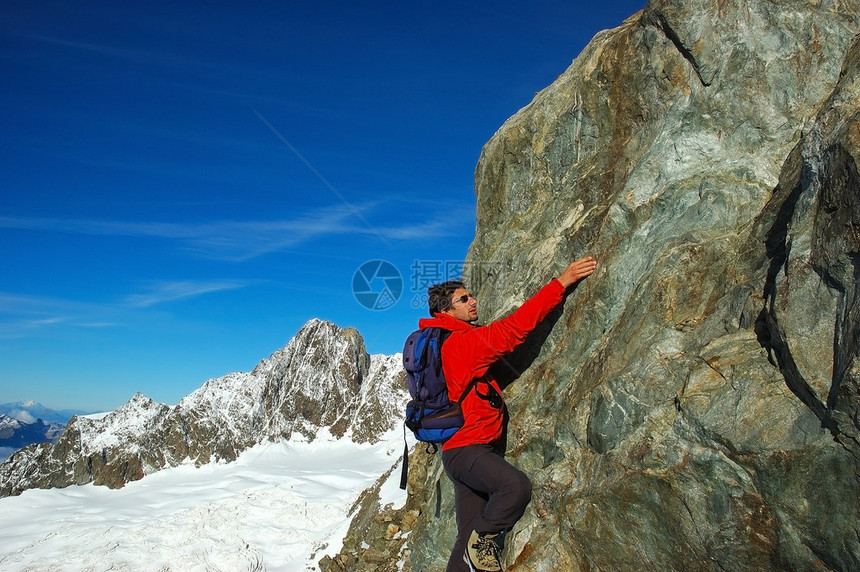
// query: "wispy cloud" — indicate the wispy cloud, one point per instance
point(437, 228)
point(25, 315)
point(22, 315)
point(181, 290)
point(227, 240)
point(126, 54)
point(239, 241)
point(36, 308)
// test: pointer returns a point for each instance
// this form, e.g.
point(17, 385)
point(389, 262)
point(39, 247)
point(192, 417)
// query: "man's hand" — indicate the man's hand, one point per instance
point(577, 271)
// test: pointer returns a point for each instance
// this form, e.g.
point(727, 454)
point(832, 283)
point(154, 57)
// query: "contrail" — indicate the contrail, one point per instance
point(321, 178)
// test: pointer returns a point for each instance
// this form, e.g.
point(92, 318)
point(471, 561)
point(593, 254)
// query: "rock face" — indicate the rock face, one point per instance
point(323, 378)
point(695, 406)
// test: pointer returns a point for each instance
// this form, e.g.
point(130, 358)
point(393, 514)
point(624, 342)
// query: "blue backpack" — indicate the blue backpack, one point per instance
point(430, 414)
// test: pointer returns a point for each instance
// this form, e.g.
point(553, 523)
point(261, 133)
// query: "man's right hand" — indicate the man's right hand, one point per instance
point(578, 270)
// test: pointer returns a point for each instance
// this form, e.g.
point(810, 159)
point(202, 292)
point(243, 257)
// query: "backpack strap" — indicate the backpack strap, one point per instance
point(404, 471)
point(443, 336)
point(472, 384)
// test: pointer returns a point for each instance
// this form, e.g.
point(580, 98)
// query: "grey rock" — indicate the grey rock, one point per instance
point(695, 405)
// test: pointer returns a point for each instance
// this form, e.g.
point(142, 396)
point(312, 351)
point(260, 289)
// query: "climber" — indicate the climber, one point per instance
point(490, 495)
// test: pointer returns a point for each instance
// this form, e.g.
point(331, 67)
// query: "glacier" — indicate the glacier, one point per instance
point(278, 507)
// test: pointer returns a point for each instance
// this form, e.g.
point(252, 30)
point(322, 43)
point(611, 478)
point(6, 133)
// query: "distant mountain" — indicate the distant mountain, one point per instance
point(28, 422)
point(17, 434)
point(322, 380)
point(30, 411)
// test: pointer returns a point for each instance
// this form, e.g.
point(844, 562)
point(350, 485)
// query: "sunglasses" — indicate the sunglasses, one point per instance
point(462, 299)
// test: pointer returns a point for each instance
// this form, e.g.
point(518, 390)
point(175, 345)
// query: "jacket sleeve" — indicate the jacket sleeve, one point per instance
point(479, 347)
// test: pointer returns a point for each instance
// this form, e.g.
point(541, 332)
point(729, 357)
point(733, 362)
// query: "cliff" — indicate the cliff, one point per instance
point(695, 404)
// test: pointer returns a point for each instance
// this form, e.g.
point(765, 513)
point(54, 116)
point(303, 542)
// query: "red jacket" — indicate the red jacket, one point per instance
point(470, 350)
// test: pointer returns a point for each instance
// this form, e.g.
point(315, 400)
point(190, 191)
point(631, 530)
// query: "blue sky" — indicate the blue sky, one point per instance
point(186, 184)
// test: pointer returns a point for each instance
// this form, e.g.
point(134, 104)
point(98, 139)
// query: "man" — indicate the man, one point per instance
point(490, 495)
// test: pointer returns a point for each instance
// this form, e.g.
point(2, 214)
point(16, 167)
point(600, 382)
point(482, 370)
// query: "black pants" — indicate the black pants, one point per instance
point(490, 494)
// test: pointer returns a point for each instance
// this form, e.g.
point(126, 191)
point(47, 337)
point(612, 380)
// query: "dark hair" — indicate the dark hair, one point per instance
point(439, 295)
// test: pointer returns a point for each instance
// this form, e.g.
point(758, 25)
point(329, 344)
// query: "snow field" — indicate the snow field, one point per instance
point(279, 507)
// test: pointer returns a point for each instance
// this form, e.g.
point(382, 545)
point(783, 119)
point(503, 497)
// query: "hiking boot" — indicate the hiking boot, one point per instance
point(482, 553)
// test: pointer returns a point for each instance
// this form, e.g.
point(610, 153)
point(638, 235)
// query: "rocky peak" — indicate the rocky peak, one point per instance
point(8, 425)
point(138, 416)
point(315, 377)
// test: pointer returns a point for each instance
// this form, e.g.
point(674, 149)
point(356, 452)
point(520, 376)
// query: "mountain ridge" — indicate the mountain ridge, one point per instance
point(23, 423)
point(29, 410)
point(16, 433)
point(322, 378)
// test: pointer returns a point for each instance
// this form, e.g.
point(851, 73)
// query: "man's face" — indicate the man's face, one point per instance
point(464, 306)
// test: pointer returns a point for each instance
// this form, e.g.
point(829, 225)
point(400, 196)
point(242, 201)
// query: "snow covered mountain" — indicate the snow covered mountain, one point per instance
point(26, 422)
point(322, 379)
point(29, 411)
point(15, 433)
